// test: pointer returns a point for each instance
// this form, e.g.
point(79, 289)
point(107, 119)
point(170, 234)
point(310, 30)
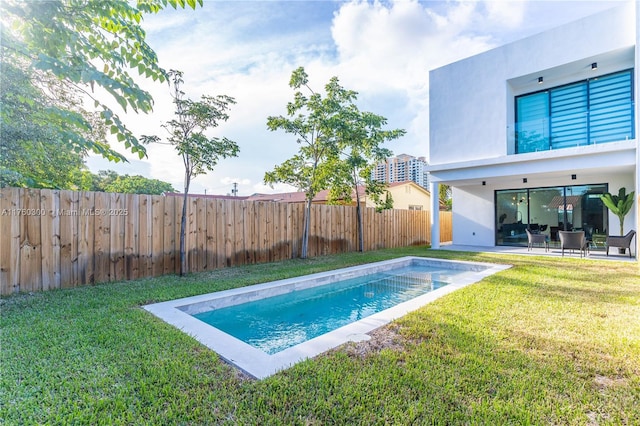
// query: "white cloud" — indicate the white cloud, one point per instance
point(506, 13)
point(393, 46)
point(261, 188)
point(231, 180)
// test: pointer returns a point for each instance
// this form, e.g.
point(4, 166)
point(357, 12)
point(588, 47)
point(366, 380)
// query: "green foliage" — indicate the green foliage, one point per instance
point(359, 139)
point(444, 192)
point(387, 204)
point(44, 138)
point(200, 153)
point(103, 179)
point(110, 181)
point(86, 45)
point(534, 345)
point(619, 204)
point(139, 185)
point(313, 120)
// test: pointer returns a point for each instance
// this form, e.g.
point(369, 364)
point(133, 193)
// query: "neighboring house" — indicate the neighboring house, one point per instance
point(407, 196)
point(284, 197)
point(210, 196)
point(533, 132)
point(322, 197)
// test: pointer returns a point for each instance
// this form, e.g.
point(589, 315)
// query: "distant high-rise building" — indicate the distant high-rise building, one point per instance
point(402, 168)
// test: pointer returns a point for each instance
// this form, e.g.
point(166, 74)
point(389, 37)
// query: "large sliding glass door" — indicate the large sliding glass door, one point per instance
point(549, 210)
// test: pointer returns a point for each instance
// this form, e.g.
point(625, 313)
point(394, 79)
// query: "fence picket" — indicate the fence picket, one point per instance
point(116, 208)
point(30, 243)
point(239, 214)
point(68, 225)
point(169, 237)
point(12, 203)
point(131, 236)
point(219, 225)
point(86, 236)
point(49, 228)
point(157, 237)
point(210, 235)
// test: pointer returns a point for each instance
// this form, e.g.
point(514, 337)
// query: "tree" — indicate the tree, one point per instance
point(314, 121)
point(139, 185)
point(359, 139)
point(103, 179)
point(34, 145)
point(110, 181)
point(386, 204)
point(86, 45)
point(444, 194)
point(199, 152)
point(619, 204)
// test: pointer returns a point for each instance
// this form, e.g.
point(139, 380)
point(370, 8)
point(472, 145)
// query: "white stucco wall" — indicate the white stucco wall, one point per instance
point(471, 101)
point(473, 216)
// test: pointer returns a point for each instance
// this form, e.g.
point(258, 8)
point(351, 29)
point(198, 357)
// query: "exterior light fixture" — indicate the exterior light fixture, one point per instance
point(524, 180)
point(594, 66)
point(540, 80)
point(484, 183)
point(574, 177)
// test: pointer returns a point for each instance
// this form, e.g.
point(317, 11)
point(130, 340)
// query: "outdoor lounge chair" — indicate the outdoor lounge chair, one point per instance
point(573, 240)
point(621, 242)
point(537, 239)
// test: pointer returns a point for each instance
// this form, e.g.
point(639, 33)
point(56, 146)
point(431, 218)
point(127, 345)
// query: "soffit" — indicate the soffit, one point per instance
point(594, 161)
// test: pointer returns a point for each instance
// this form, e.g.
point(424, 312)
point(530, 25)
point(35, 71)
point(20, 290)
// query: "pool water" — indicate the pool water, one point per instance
point(280, 322)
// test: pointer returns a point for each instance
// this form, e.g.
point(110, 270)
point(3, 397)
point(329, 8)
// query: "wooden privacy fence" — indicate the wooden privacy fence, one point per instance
point(58, 239)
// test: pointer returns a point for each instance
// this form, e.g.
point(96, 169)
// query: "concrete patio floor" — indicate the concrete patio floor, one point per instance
point(594, 254)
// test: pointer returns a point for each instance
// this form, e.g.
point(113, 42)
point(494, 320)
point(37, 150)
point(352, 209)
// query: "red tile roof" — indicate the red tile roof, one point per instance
point(211, 196)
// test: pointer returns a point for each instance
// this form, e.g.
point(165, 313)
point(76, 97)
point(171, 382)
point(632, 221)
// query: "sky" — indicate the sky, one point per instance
point(382, 49)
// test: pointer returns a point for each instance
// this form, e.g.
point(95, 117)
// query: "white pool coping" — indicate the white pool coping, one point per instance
point(259, 364)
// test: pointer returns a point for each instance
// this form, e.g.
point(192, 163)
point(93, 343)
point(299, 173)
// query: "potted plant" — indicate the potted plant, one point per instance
point(619, 205)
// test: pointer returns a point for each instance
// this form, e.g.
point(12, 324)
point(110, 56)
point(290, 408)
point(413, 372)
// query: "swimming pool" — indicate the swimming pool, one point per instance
point(265, 328)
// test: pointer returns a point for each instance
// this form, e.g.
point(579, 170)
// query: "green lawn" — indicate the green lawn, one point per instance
point(549, 341)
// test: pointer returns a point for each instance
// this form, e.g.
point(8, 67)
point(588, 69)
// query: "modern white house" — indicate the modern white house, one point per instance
point(530, 134)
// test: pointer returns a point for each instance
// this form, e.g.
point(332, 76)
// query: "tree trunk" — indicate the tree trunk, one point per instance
point(359, 222)
point(305, 231)
point(621, 250)
point(183, 229)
